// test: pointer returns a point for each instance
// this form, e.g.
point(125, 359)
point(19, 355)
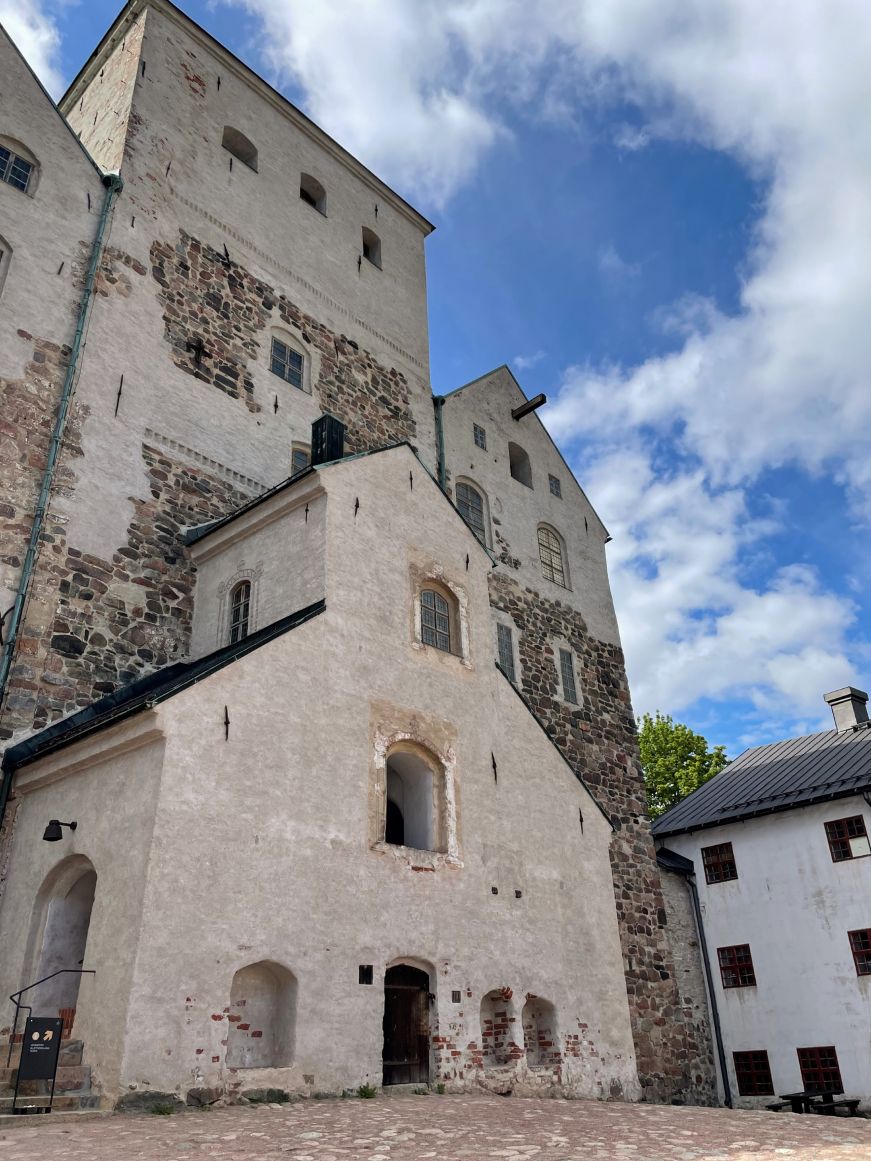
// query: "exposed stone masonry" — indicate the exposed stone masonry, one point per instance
point(217, 317)
point(598, 739)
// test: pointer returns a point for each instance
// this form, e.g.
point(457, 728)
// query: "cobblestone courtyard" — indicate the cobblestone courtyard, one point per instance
point(448, 1129)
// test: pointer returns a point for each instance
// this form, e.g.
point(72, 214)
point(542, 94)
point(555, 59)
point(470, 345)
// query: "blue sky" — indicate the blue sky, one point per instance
point(657, 213)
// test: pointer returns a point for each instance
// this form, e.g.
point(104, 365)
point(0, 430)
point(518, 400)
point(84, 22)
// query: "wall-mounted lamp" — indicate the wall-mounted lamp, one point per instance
point(53, 832)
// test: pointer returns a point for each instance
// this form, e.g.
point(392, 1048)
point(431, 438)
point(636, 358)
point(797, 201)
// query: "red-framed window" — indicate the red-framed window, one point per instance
point(719, 863)
point(860, 945)
point(753, 1073)
point(736, 966)
point(819, 1069)
point(848, 838)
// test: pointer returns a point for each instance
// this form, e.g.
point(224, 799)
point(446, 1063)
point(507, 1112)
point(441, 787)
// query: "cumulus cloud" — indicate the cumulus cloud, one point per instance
point(36, 34)
point(423, 91)
point(525, 362)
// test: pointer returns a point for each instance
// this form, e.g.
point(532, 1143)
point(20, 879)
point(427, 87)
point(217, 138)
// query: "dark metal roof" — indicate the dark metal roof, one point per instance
point(783, 775)
point(148, 691)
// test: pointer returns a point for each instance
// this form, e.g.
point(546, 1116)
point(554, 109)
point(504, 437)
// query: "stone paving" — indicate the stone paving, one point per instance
point(448, 1128)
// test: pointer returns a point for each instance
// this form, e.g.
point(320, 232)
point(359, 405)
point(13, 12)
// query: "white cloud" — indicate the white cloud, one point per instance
point(35, 33)
point(525, 362)
point(617, 273)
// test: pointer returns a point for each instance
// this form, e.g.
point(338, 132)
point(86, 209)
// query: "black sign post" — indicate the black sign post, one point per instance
point(39, 1052)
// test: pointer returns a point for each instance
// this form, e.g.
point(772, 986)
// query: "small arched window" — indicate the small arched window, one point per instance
point(240, 611)
point(313, 193)
point(550, 553)
point(470, 504)
point(240, 147)
point(415, 813)
point(371, 247)
point(300, 457)
point(18, 166)
point(435, 620)
point(519, 465)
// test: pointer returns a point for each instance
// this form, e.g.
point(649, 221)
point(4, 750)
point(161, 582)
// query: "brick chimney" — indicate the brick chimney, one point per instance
point(849, 707)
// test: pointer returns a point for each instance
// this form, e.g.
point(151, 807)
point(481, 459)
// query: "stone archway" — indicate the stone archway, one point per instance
point(63, 911)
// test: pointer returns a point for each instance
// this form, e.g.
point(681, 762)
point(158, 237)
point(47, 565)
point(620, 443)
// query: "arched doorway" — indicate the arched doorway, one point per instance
point(406, 1025)
point(66, 899)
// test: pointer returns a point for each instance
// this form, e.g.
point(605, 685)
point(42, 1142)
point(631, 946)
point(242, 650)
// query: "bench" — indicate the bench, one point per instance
point(777, 1106)
point(827, 1108)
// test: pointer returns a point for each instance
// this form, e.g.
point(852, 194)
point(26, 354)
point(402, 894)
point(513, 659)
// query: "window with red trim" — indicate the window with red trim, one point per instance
point(860, 944)
point(736, 966)
point(819, 1069)
point(753, 1073)
point(848, 838)
point(719, 863)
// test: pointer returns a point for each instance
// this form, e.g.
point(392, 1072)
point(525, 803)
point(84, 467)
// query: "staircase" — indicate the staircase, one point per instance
point(72, 1090)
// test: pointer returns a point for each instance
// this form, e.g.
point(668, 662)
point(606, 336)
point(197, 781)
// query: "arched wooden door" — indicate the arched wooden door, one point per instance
point(406, 1025)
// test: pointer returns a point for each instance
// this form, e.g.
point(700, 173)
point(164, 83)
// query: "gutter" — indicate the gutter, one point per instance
point(684, 867)
point(438, 403)
point(114, 185)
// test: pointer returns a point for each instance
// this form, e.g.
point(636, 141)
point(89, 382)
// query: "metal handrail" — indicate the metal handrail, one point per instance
point(18, 1007)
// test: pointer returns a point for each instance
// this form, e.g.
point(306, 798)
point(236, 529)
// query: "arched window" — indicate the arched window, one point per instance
point(313, 193)
point(371, 247)
point(262, 1017)
point(240, 147)
point(519, 465)
point(300, 457)
point(435, 620)
point(552, 557)
point(18, 166)
point(497, 1019)
point(470, 504)
point(240, 610)
point(415, 793)
point(539, 1032)
point(5, 260)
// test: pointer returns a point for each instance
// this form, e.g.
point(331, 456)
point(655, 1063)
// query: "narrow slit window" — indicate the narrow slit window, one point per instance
point(14, 170)
point(719, 863)
point(567, 670)
point(287, 363)
point(556, 488)
point(753, 1073)
point(371, 247)
point(519, 465)
point(435, 620)
point(480, 436)
point(550, 553)
point(240, 611)
point(505, 642)
point(736, 966)
point(848, 838)
point(470, 504)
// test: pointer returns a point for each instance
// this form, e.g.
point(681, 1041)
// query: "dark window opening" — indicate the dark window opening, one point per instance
point(286, 363)
point(819, 1069)
point(364, 973)
point(519, 465)
point(505, 642)
point(394, 828)
point(240, 147)
point(736, 966)
point(313, 193)
point(470, 504)
point(240, 606)
point(848, 838)
point(371, 247)
point(860, 945)
point(567, 671)
point(480, 437)
point(719, 863)
point(753, 1073)
point(435, 620)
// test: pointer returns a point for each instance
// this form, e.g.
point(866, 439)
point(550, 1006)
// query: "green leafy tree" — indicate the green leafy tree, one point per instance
point(675, 760)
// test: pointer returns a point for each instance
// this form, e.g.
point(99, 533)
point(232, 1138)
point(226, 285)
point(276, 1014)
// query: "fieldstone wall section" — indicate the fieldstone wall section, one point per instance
point(598, 739)
point(217, 317)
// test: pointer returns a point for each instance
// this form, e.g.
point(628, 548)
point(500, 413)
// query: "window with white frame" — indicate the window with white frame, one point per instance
point(435, 620)
point(240, 611)
point(287, 363)
point(15, 170)
point(480, 436)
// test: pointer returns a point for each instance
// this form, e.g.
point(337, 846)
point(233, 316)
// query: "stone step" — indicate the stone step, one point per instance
point(70, 1078)
point(8, 1121)
point(68, 1103)
point(70, 1053)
